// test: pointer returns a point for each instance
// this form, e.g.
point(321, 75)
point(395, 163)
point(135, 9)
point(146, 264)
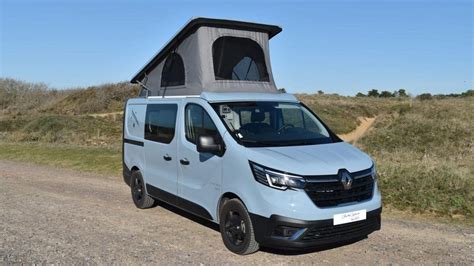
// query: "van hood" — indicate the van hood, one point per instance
point(322, 159)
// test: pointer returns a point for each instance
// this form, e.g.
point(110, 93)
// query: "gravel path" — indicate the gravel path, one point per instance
point(50, 215)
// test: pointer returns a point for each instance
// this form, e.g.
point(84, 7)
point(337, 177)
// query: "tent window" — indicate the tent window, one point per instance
point(173, 71)
point(238, 59)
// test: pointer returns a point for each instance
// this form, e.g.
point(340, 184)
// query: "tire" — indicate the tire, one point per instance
point(139, 195)
point(236, 228)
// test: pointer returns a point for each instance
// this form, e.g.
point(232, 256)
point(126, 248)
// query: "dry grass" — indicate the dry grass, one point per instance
point(340, 113)
point(22, 98)
point(426, 157)
point(102, 99)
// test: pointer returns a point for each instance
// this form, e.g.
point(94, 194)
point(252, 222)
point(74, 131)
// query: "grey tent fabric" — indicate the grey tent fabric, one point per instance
point(197, 56)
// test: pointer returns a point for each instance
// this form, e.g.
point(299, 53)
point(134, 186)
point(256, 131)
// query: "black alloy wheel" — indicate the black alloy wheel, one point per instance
point(236, 227)
point(139, 195)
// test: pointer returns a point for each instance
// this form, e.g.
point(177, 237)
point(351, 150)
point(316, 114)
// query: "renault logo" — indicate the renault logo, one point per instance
point(346, 179)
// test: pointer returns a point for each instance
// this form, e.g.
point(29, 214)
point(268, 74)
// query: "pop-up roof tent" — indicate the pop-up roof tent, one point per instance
point(211, 55)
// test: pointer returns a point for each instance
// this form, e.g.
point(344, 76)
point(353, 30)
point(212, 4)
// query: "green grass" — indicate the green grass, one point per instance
point(80, 130)
point(101, 160)
point(425, 157)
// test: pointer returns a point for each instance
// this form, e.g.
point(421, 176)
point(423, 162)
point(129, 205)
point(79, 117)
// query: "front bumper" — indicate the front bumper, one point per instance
point(310, 234)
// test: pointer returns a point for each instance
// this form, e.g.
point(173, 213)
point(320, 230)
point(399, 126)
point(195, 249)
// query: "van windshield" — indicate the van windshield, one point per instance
point(267, 124)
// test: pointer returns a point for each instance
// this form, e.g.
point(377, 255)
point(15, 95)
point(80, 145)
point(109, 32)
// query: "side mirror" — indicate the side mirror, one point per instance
point(208, 144)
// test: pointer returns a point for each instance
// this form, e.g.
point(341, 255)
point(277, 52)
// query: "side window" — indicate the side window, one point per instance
point(173, 71)
point(160, 122)
point(198, 122)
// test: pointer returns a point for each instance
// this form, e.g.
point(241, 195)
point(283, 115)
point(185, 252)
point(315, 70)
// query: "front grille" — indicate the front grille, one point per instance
point(329, 191)
point(354, 229)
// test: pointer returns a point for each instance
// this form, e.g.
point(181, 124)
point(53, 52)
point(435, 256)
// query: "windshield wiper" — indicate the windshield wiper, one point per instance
point(263, 143)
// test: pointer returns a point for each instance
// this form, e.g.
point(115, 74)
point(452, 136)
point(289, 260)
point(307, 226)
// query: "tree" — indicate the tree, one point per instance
point(360, 94)
point(386, 94)
point(402, 93)
point(468, 93)
point(373, 93)
point(282, 90)
point(320, 92)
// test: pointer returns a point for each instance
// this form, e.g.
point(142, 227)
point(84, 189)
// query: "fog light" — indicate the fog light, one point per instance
point(285, 231)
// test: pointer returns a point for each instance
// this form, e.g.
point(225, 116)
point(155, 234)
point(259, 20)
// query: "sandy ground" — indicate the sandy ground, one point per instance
point(365, 124)
point(50, 215)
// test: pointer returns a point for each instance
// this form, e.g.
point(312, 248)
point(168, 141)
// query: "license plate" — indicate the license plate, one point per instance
point(349, 217)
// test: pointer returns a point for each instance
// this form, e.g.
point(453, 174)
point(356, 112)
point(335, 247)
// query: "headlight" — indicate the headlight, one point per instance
point(373, 172)
point(276, 179)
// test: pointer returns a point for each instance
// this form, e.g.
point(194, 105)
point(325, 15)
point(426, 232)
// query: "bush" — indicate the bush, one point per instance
point(424, 96)
point(386, 94)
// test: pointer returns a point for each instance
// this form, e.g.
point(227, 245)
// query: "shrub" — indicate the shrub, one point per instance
point(424, 96)
point(386, 94)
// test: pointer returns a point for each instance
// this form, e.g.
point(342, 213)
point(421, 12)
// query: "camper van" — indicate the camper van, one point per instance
point(210, 133)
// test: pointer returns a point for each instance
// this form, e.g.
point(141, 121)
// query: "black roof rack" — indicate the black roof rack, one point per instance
point(192, 26)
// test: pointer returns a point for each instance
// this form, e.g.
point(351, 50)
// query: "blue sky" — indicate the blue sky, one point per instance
point(334, 46)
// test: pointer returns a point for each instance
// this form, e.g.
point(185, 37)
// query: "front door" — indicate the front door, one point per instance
point(200, 174)
point(161, 149)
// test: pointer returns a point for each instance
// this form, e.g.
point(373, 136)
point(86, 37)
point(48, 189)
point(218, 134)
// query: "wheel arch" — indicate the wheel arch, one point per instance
point(225, 197)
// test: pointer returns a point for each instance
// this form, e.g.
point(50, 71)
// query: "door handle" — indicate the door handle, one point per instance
point(167, 157)
point(184, 161)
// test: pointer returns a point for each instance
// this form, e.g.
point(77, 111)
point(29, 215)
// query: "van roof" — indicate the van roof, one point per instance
point(216, 97)
point(247, 96)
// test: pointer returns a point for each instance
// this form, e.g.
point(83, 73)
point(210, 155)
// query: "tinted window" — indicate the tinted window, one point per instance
point(173, 71)
point(198, 122)
point(160, 122)
point(238, 59)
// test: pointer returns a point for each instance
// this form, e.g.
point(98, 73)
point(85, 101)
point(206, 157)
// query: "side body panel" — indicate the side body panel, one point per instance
point(160, 159)
point(133, 127)
point(200, 181)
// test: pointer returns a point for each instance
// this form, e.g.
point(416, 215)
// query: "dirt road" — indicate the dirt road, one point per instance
point(365, 124)
point(50, 215)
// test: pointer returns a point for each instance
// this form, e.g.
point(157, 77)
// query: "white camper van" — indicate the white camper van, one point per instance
point(211, 134)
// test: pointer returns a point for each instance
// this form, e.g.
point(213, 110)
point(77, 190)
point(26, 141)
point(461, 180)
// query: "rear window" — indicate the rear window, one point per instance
point(238, 59)
point(160, 122)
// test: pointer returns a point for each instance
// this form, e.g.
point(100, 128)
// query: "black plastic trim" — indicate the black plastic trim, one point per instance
point(179, 202)
point(264, 227)
point(127, 174)
point(134, 142)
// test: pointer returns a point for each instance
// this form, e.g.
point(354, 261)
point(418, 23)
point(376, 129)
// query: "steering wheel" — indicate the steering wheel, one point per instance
point(286, 126)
